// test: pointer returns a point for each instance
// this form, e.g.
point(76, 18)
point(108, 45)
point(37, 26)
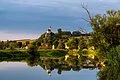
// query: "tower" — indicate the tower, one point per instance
point(49, 30)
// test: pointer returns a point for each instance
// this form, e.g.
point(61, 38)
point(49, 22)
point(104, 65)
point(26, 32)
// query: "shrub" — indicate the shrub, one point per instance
point(32, 49)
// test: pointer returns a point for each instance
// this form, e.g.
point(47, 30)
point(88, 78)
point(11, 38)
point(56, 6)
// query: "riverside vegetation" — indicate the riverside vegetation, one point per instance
point(103, 43)
point(105, 35)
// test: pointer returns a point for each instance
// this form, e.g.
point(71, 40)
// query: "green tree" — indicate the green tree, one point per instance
point(83, 43)
point(112, 69)
point(55, 43)
point(61, 45)
point(13, 45)
point(72, 43)
point(106, 29)
point(32, 49)
point(7, 43)
point(2, 45)
point(59, 32)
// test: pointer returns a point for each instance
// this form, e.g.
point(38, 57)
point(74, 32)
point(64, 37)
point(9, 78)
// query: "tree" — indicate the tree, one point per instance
point(59, 32)
point(106, 29)
point(32, 48)
point(76, 33)
point(72, 43)
point(13, 45)
point(61, 45)
point(2, 45)
point(55, 43)
point(7, 43)
point(112, 69)
point(83, 44)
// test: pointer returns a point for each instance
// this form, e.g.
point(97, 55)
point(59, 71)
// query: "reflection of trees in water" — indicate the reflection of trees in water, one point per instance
point(32, 61)
point(60, 64)
point(12, 59)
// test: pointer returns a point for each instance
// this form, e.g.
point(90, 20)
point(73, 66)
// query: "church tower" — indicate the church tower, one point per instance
point(49, 30)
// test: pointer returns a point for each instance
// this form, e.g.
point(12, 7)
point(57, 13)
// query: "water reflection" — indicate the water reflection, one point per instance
point(59, 64)
point(109, 72)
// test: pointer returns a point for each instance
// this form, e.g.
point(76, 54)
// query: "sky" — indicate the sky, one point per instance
point(28, 19)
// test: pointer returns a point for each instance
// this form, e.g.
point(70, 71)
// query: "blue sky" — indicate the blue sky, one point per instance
point(29, 18)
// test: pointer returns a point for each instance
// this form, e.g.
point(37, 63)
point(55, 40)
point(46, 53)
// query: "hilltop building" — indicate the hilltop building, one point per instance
point(46, 39)
point(50, 40)
point(49, 30)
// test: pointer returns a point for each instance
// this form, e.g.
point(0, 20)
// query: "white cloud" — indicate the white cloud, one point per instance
point(29, 13)
point(4, 35)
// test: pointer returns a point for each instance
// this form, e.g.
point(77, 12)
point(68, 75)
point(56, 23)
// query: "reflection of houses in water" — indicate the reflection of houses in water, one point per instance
point(47, 65)
point(48, 70)
point(88, 64)
point(61, 65)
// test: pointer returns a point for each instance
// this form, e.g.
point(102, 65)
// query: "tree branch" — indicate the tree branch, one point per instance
point(85, 20)
point(90, 17)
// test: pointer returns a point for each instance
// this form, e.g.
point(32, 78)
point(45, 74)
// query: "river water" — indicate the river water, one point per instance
point(24, 71)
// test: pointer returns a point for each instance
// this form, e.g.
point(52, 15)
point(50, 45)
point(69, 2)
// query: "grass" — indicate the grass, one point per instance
point(24, 53)
point(13, 53)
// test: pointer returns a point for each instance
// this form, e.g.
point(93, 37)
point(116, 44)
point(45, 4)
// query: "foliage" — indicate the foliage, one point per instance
point(2, 45)
point(106, 29)
point(112, 69)
point(17, 58)
point(55, 43)
point(11, 53)
point(72, 43)
point(61, 45)
point(109, 73)
point(113, 55)
point(13, 45)
point(76, 33)
point(32, 60)
point(32, 49)
point(82, 43)
point(46, 39)
point(59, 33)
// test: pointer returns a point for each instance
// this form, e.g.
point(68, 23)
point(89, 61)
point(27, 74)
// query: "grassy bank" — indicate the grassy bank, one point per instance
point(13, 53)
point(24, 53)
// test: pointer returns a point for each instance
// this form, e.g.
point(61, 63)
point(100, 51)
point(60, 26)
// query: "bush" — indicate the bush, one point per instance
point(32, 49)
point(113, 55)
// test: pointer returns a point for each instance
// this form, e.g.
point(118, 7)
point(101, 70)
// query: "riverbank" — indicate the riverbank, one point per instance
point(25, 53)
